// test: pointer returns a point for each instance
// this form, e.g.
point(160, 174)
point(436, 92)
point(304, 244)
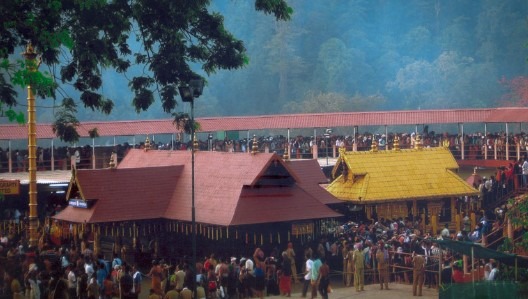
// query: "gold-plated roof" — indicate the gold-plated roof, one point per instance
point(383, 176)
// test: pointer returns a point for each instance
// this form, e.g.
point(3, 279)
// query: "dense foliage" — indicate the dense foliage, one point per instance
point(335, 55)
point(164, 40)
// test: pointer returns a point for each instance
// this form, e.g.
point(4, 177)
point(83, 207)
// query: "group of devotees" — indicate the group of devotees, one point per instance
point(373, 251)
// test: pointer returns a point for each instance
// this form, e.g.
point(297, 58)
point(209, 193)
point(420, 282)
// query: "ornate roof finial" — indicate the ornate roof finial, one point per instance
point(286, 155)
point(418, 143)
point(396, 144)
point(374, 146)
point(254, 146)
point(195, 143)
point(147, 144)
point(113, 160)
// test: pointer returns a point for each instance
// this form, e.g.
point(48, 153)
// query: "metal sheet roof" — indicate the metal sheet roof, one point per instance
point(286, 121)
point(385, 176)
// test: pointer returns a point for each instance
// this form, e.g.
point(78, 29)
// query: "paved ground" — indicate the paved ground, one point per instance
point(397, 291)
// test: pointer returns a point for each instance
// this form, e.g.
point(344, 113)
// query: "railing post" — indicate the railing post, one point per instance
point(494, 150)
point(518, 150)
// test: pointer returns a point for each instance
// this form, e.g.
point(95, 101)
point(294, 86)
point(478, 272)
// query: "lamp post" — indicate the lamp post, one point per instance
point(32, 65)
point(188, 93)
point(210, 141)
point(327, 135)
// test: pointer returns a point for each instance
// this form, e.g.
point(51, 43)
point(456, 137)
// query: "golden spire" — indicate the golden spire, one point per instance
point(286, 155)
point(113, 160)
point(147, 144)
point(374, 146)
point(254, 147)
point(195, 143)
point(418, 142)
point(341, 150)
point(396, 144)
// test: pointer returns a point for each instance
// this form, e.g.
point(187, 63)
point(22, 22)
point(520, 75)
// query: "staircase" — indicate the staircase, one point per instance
point(496, 238)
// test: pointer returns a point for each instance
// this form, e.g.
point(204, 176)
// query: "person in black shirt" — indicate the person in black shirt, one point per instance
point(447, 273)
point(126, 284)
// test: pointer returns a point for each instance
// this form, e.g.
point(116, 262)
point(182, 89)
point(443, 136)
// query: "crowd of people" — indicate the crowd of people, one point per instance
point(378, 251)
point(476, 146)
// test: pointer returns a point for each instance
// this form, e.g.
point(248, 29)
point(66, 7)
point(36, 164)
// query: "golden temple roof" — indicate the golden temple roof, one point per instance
point(398, 175)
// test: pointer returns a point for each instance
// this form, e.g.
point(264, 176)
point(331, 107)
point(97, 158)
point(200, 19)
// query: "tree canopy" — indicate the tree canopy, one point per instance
point(78, 39)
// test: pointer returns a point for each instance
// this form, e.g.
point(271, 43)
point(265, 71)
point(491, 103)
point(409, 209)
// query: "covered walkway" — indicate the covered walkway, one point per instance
point(499, 136)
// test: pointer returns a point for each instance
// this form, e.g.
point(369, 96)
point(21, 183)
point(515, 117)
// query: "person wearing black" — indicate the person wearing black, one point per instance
point(126, 284)
point(447, 273)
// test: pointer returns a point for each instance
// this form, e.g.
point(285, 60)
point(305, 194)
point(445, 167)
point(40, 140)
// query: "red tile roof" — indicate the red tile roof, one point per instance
point(124, 194)
point(285, 121)
point(278, 205)
point(312, 178)
point(223, 192)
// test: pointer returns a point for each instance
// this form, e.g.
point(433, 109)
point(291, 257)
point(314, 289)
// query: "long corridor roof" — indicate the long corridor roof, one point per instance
point(285, 121)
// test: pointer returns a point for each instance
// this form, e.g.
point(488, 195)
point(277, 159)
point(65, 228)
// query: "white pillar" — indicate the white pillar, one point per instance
point(52, 156)
point(507, 144)
point(462, 143)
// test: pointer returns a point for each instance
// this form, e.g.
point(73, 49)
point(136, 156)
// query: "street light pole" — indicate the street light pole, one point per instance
point(193, 210)
point(32, 65)
point(189, 93)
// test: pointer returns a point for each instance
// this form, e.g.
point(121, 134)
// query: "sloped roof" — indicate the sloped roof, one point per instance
point(223, 190)
point(312, 178)
point(270, 205)
point(385, 176)
point(284, 121)
point(123, 194)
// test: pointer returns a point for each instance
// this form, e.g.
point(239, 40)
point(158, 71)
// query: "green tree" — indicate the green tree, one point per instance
point(518, 214)
point(77, 40)
point(318, 102)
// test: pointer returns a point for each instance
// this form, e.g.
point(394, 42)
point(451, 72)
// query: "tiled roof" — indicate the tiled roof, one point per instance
point(312, 178)
point(157, 184)
point(384, 176)
point(123, 194)
point(278, 205)
point(285, 121)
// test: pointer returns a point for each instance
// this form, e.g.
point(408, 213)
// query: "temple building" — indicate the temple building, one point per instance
point(418, 183)
point(241, 201)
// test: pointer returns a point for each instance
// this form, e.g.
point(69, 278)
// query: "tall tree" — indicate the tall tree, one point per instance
point(80, 38)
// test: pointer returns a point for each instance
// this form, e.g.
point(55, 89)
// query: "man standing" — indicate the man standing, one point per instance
point(418, 262)
point(315, 274)
point(72, 281)
point(179, 278)
point(382, 258)
point(126, 284)
point(524, 168)
point(445, 232)
point(136, 281)
point(307, 273)
point(359, 268)
point(348, 265)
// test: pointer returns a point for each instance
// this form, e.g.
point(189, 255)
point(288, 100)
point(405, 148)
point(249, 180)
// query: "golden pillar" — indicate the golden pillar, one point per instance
point(457, 223)
point(509, 228)
point(453, 209)
point(473, 220)
point(434, 225)
point(97, 242)
point(32, 65)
